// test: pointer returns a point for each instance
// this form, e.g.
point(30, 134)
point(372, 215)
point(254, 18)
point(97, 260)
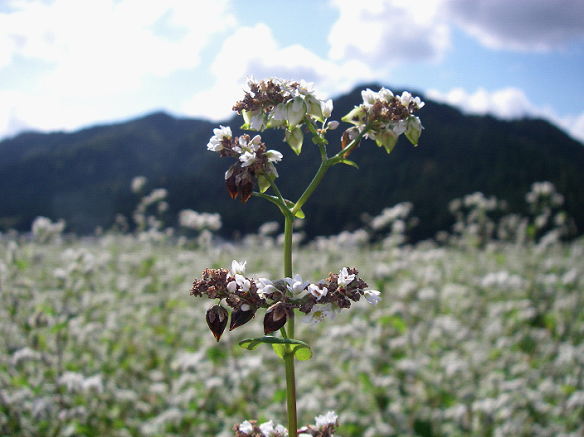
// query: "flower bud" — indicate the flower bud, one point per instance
point(240, 317)
point(332, 125)
point(217, 320)
point(295, 112)
point(276, 317)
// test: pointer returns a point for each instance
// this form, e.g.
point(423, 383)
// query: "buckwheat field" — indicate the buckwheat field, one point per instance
point(479, 331)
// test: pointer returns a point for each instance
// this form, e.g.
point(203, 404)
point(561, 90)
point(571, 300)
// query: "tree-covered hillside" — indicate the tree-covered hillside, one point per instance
point(84, 176)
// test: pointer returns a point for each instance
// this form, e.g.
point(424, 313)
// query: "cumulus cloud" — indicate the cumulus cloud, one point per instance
point(527, 25)
point(508, 103)
point(234, 63)
point(86, 52)
point(385, 33)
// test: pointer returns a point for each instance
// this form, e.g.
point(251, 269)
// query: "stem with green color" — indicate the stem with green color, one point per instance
point(289, 214)
point(289, 356)
point(324, 166)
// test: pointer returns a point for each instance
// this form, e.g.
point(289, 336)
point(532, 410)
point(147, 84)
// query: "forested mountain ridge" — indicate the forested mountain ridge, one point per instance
point(84, 176)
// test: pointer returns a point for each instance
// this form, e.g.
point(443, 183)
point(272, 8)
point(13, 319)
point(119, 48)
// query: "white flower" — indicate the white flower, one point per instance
point(344, 277)
point(220, 133)
point(274, 156)
point(246, 427)
point(240, 283)
point(247, 158)
point(255, 142)
point(316, 291)
point(405, 98)
point(297, 286)
point(269, 430)
point(372, 296)
point(385, 94)
point(418, 102)
point(296, 110)
point(329, 418)
point(319, 312)
point(305, 88)
point(238, 267)
point(93, 383)
point(265, 287)
point(369, 96)
point(326, 108)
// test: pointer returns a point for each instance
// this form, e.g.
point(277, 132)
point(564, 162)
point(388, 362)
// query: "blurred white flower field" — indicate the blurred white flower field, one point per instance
point(477, 333)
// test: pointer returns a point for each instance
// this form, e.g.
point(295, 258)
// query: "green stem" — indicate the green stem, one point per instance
point(291, 394)
point(289, 356)
point(288, 223)
point(324, 166)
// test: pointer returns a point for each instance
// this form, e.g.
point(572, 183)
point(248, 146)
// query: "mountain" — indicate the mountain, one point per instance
point(84, 176)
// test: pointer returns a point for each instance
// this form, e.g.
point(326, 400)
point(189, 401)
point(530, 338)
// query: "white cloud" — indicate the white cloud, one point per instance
point(385, 33)
point(235, 62)
point(530, 25)
point(93, 53)
point(508, 103)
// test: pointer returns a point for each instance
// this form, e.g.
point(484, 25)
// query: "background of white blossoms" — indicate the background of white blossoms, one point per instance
point(99, 337)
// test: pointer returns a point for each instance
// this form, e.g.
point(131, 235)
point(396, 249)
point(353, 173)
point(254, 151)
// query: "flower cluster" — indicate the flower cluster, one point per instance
point(246, 295)
point(187, 218)
point(250, 428)
point(385, 117)
point(255, 163)
point(280, 103)
point(324, 427)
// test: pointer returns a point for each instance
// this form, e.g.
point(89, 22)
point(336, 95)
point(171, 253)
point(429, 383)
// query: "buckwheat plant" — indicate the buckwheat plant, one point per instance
point(295, 108)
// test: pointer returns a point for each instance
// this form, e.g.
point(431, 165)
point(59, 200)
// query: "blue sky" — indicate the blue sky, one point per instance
point(66, 64)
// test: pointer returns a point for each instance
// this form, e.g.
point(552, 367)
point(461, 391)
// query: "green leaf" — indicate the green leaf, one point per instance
point(387, 139)
point(264, 183)
point(301, 352)
point(319, 140)
point(295, 138)
point(349, 162)
point(300, 349)
point(413, 129)
point(246, 118)
point(396, 322)
point(299, 214)
point(356, 116)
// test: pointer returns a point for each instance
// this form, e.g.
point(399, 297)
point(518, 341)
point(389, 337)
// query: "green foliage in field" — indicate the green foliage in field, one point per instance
point(98, 337)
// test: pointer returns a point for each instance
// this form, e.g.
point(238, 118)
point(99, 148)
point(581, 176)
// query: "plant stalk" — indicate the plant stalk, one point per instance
point(291, 394)
point(289, 214)
point(289, 356)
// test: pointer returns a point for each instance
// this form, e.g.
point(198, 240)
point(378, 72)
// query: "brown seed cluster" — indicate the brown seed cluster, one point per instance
point(384, 111)
point(239, 179)
point(245, 296)
point(262, 96)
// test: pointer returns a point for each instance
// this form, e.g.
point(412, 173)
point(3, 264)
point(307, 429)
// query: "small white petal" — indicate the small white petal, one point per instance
point(372, 296)
point(274, 156)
